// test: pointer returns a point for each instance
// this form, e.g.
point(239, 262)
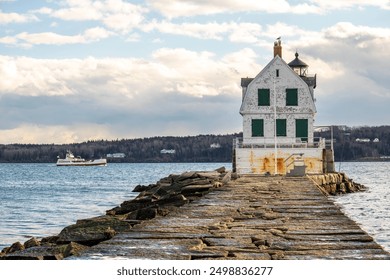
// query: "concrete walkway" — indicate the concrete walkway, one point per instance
point(253, 217)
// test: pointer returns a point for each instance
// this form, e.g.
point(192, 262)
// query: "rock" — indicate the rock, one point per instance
point(195, 189)
point(227, 177)
point(222, 169)
point(342, 188)
point(74, 249)
point(43, 252)
point(209, 175)
point(142, 188)
point(186, 175)
point(33, 242)
point(50, 239)
point(235, 176)
point(176, 200)
point(146, 214)
point(17, 246)
point(109, 233)
point(110, 212)
point(92, 231)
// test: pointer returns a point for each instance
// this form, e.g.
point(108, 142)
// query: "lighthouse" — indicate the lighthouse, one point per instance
point(278, 111)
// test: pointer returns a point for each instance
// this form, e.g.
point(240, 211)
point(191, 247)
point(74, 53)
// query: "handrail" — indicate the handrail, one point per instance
point(264, 142)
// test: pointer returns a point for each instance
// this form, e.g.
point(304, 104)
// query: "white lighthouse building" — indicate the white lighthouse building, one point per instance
point(278, 110)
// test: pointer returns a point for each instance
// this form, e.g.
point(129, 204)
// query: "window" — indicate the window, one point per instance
point(301, 129)
point(291, 97)
point(277, 73)
point(257, 128)
point(263, 97)
point(281, 127)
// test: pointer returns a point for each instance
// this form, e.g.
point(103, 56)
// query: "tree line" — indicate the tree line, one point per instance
point(200, 148)
point(363, 143)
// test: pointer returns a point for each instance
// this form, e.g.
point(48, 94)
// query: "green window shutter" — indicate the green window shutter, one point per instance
point(263, 97)
point(257, 128)
point(291, 97)
point(281, 127)
point(302, 129)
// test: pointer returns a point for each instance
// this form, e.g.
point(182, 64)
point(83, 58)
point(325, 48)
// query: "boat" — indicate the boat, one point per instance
point(71, 160)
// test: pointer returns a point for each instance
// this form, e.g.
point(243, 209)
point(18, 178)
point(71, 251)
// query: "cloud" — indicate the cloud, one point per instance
point(32, 133)
point(189, 8)
point(351, 62)
point(28, 40)
point(179, 91)
point(176, 92)
point(237, 32)
point(337, 5)
point(116, 15)
point(8, 18)
point(186, 8)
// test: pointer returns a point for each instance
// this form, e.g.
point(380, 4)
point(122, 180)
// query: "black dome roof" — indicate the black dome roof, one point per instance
point(297, 62)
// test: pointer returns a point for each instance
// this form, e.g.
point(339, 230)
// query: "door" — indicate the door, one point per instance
point(301, 129)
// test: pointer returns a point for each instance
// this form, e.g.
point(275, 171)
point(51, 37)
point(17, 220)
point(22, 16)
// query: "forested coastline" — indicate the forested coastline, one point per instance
point(350, 144)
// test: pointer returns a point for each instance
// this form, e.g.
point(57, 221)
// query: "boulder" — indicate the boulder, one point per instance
point(146, 213)
point(92, 231)
point(50, 239)
point(141, 188)
point(17, 246)
point(342, 188)
point(44, 252)
point(33, 242)
point(227, 177)
point(195, 189)
point(74, 249)
point(210, 175)
point(221, 169)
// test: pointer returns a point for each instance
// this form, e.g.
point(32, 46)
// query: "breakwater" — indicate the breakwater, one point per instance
point(204, 215)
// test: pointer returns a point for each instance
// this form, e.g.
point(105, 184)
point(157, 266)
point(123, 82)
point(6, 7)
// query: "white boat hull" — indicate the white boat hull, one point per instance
point(96, 162)
point(71, 160)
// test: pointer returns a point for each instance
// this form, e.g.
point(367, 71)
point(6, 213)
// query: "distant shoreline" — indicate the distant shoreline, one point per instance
point(199, 148)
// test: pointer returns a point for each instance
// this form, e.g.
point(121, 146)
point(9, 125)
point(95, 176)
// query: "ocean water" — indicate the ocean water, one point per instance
point(370, 209)
point(41, 199)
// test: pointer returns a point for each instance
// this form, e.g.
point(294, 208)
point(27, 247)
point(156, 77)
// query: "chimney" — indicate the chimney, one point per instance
point(278, 47)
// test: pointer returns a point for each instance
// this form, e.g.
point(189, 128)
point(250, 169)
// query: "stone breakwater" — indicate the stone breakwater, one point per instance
point(336, 183)
point(154, 200)
point(205, 215)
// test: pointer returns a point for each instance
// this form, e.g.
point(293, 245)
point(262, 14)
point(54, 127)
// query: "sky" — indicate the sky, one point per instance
point(79, 70)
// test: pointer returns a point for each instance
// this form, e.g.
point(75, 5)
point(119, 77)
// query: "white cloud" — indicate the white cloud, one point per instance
point(236, 32)
point(120, 97)
point(343, 30)
point(7, 18)
point(116, 15)
point(188, 8)
point(28, 40)
point(337, 4)
point(173, 70)
point(55, 134)
point(185, 8)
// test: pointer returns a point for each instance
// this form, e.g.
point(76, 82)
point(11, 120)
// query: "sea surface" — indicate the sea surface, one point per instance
point(370, 209)
point(41, 199)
